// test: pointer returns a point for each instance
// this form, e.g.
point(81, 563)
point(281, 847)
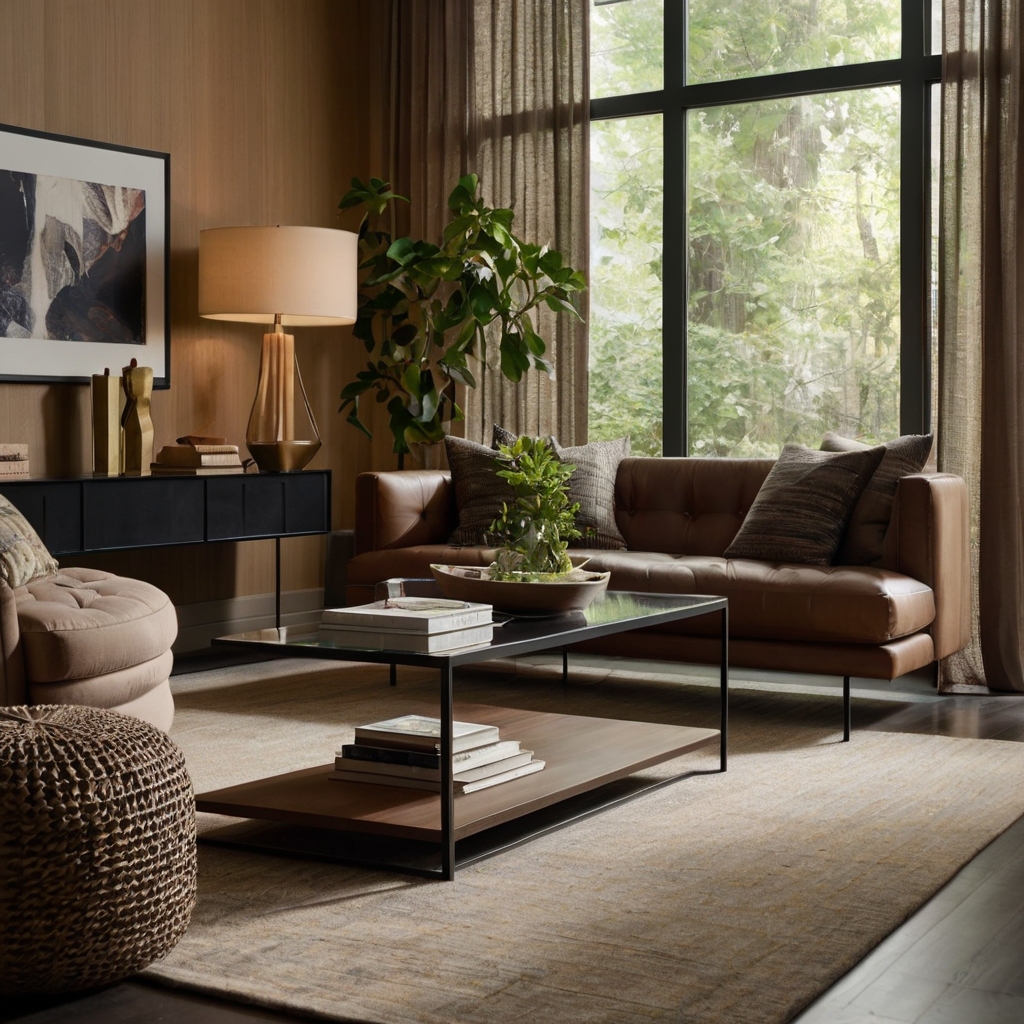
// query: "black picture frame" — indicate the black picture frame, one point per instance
point(132, 233)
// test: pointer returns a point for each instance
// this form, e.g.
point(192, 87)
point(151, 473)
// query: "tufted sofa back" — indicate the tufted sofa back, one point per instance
point(685, 506)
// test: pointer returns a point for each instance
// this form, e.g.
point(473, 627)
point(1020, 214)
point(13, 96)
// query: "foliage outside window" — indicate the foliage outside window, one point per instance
point(793, 217)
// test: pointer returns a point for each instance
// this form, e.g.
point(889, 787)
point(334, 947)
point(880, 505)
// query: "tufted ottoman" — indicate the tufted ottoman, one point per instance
point(89, 637)
point(98, 833)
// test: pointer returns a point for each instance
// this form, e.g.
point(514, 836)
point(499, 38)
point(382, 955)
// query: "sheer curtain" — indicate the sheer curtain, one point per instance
point(981, 368)
point(499, 88)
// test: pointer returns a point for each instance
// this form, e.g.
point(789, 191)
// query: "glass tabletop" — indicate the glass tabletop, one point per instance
point(615, 611)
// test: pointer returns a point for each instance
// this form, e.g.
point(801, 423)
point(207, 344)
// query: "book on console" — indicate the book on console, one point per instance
point(422, 759)
point(462, 773)
point(417, 732)
point(400, 640)
point(159, 469)
point(411, 615)
point(192, 456)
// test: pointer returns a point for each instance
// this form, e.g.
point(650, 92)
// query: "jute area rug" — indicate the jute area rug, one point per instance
point(723, 898)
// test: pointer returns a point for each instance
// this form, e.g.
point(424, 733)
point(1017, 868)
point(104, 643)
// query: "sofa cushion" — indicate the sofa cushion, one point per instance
point(801, 511)
point(479, 492)
point(863, 542)
point(592, 485)
point(84, 623)
point(23, 556)
point(826, 604)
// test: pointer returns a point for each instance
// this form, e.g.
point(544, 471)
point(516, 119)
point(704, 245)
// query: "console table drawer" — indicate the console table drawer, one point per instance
point(123, 513)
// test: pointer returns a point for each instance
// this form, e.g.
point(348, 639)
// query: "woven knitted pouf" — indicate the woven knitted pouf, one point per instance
point(97, 847)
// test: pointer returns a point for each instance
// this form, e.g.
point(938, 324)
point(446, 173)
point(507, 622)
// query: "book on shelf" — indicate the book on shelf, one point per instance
point(193, 456)
point(411, 615)
point(462, 772)
point(159, 469)
point(420, 758)
point(399, 640)
point(417, 732)
point(528, 767)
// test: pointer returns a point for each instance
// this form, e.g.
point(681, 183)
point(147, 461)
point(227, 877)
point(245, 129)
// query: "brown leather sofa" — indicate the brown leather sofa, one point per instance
point(678, 516)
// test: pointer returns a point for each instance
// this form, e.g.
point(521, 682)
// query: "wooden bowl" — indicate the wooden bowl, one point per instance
point(572, 593)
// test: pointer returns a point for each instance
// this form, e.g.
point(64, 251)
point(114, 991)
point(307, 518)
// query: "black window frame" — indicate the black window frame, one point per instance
point(914, 71)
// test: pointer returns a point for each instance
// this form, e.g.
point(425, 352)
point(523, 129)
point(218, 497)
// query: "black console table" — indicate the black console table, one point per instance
point(85, 515)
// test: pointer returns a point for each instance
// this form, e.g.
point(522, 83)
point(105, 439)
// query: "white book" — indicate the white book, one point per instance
point(495, 780)
point(355, 754)
point(412, 615)
point(486, 771)
point(418, 732)
point(397, 640)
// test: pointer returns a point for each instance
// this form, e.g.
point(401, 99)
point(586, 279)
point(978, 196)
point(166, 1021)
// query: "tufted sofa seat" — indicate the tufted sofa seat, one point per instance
point(92, 638)
point(677, 517)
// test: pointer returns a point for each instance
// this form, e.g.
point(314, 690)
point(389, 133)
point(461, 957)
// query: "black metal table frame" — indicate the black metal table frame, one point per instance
point(447, 662)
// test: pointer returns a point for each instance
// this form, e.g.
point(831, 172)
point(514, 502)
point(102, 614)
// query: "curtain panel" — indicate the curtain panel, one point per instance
point(499, 88)
point(981, 367)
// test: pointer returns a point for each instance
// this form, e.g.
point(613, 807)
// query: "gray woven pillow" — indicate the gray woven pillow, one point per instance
point(593, 486)
point(803, 506)
point(499, 435)
point(479, 491)
point(864, 540)
point(23, 556)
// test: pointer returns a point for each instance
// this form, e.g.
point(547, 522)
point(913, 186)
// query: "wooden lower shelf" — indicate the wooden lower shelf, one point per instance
point(581, 754)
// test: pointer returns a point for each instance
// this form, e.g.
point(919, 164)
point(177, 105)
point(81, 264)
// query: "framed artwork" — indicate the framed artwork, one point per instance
point(84, 258)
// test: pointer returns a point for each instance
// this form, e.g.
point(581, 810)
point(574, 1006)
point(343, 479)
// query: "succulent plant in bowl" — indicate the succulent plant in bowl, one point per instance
point(533, 533)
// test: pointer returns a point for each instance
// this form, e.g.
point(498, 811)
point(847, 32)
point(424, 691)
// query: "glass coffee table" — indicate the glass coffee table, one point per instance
point(581, 753)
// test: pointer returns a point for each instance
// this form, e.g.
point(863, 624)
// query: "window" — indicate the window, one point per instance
point(762, 264)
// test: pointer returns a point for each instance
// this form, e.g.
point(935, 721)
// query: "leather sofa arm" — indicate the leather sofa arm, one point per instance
point(403, 508)
point(929, 540)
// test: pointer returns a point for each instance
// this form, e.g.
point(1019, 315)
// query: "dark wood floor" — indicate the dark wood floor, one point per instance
point(958, 960)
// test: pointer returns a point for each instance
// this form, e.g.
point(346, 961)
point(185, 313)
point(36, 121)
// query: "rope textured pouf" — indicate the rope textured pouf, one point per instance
point(97, 847)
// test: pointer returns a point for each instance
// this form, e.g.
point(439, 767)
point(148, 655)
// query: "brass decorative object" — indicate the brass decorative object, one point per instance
point(136, 421)
point(106, 424)
point(291, 277)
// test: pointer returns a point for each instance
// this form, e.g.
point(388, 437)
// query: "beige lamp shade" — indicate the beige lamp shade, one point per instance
point(306, 275)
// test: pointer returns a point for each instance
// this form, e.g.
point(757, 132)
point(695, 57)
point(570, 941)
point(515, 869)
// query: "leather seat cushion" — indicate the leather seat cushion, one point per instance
point(84, 623)
point(106, 691)
point(773, 601)
point(825, 604)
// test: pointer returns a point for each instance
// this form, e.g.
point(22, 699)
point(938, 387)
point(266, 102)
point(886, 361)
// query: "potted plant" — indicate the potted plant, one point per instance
point(424, 308)
point(533, 533)
point(532, 573)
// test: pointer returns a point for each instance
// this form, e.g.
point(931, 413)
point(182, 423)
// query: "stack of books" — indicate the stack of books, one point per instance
point(424, 625)
point(197, 460)
point(406, 752)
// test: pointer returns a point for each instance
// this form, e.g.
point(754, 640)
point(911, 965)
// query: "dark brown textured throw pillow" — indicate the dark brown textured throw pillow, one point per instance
point(864, 540)
point(593, 486)
point(499, 435)
point(479, 491)
point(803, 506)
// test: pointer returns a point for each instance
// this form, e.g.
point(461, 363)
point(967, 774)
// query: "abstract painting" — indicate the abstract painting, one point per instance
point(83, 258)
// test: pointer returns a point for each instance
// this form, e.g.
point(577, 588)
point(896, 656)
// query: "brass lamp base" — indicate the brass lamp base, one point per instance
point(282, 456)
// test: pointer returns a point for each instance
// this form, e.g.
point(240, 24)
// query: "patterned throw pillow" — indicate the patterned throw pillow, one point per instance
point(593, 486)
point(23, 556)
point(803, 506)
point(479, 491)
point(499, 435)
point(864, 540)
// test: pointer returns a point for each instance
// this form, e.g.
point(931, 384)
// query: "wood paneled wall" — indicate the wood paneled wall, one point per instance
point(268, 108)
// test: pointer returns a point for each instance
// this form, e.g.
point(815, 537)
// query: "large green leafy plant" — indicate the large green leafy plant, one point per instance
point(533, 532)
point(424, 308)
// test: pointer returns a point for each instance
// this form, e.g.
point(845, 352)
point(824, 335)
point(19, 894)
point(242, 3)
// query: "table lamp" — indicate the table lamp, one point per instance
point(288, 277)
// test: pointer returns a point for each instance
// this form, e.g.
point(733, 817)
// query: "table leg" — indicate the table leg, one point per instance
point(277, 582)
point(565, 667)
point(846, 709)
point(447, 784)
point(393, 677)
point(724, 717)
